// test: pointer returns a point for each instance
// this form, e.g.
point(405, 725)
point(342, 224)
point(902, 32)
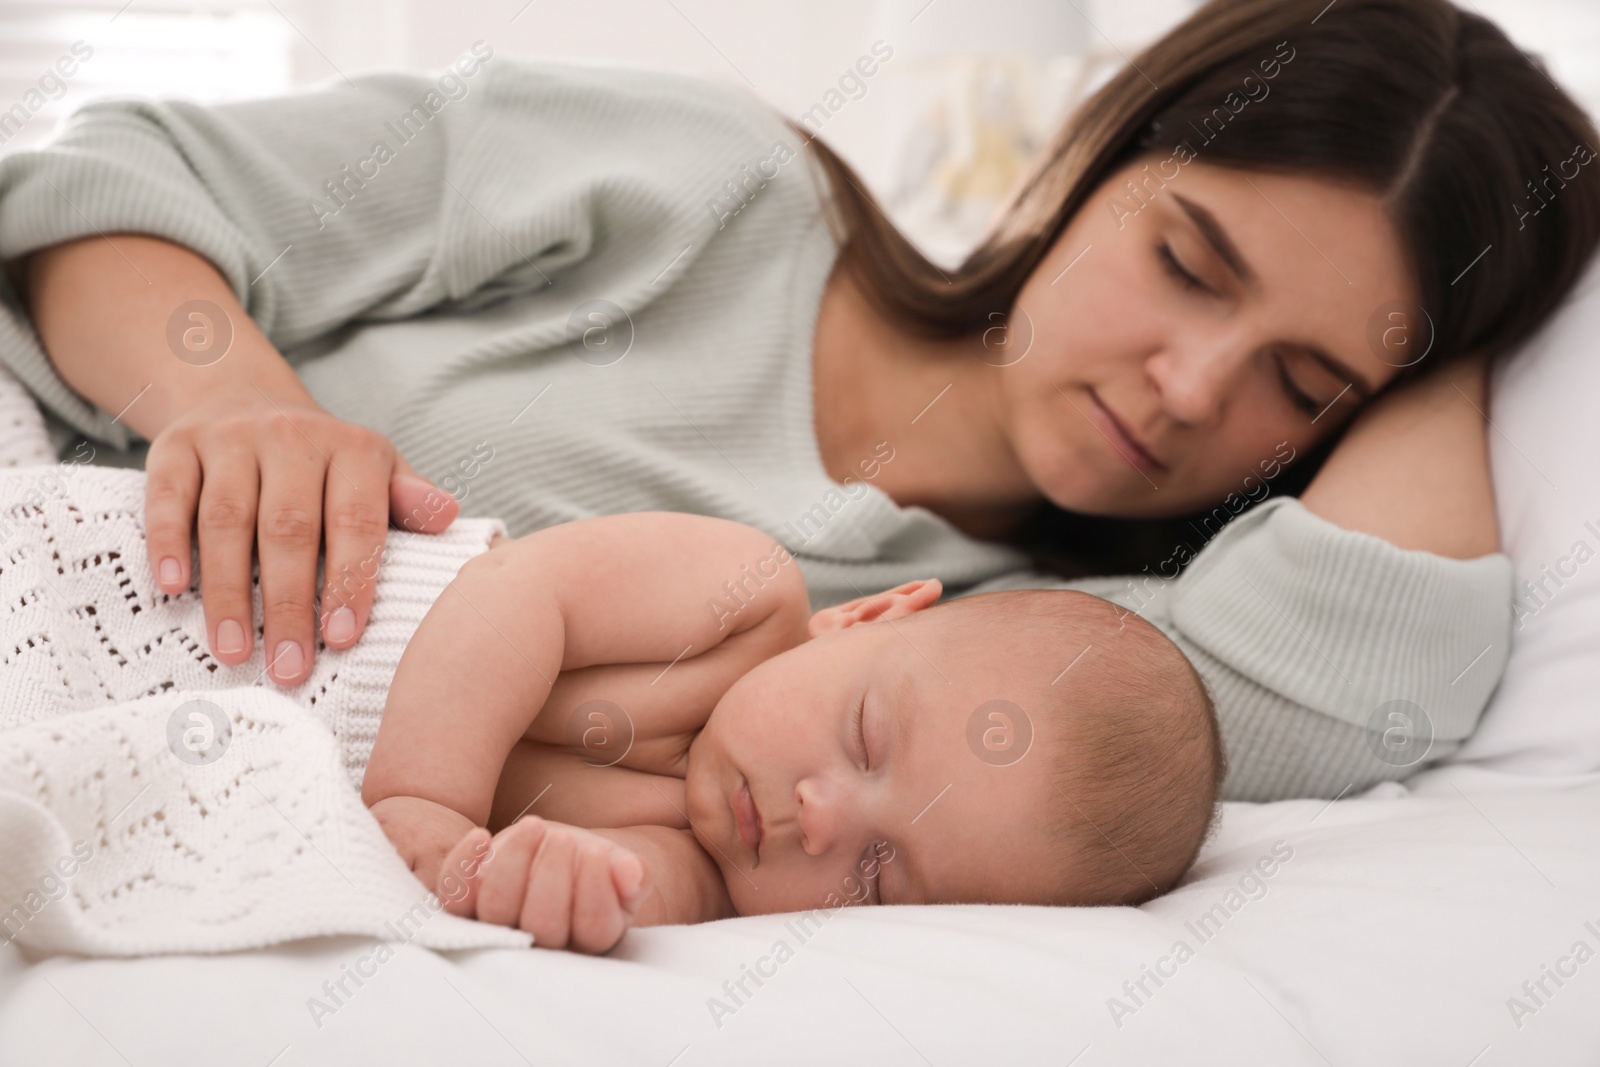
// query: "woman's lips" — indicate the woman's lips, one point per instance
point(1131, 450)
point(748, 819)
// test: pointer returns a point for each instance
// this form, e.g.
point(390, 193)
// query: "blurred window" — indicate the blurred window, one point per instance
point(55, 56)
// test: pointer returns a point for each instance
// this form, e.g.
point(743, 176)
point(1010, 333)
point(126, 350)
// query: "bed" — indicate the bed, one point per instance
point(1453, 919)
point(1390, 930)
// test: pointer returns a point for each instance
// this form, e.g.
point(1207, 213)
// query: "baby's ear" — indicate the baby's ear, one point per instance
point(894, 603)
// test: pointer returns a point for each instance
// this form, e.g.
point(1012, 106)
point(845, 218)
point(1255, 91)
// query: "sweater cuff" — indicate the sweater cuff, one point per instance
point(1343, 622)
point(413, 572)
point(106, 169)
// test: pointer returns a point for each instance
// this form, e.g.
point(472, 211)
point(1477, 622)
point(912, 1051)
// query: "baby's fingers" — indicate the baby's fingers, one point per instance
point(461, 874)
point(599, 918)
point(631, 878)
point(505, 879)
point(547, 907)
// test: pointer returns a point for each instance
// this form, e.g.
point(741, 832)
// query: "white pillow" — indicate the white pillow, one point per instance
point(1544, 451)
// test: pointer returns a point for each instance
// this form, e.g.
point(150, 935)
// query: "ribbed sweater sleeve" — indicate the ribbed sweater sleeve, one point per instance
point(462, 201)
point(1336, 660)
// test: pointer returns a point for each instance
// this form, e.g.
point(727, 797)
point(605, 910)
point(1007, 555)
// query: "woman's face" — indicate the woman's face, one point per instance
point(1221, 376)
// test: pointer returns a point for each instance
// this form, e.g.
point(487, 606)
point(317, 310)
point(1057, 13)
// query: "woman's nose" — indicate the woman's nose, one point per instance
point(1197, 376)
point(819, 809)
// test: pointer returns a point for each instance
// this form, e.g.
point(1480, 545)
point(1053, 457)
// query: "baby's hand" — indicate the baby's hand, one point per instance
point(422, 832)
point(568, 887)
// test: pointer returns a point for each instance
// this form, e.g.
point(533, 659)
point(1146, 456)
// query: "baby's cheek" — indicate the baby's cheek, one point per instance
point(787, 890)
point(855, 889)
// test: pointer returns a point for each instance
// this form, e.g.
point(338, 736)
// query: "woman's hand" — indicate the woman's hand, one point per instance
point(245, 470)
point(240, 454)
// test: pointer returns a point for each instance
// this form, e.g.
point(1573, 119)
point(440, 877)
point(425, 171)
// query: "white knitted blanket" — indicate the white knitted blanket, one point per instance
point(153, 800)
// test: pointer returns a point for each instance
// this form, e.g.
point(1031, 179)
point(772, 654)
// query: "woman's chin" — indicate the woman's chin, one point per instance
point(1087, 484)
point(1073, 485)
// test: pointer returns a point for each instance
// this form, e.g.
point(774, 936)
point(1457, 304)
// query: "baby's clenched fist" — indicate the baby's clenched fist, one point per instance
point(568, 887)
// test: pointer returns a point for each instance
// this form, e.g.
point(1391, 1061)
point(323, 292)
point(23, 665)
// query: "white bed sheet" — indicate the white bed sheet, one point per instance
point(1396, 932)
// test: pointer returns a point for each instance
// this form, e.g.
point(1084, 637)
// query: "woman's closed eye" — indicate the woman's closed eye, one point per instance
point(1297, 396)
point(1300, 400)
point(1321, 382)
point(1183, 276)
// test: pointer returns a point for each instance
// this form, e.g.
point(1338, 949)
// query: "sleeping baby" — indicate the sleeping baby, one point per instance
point(637, 720)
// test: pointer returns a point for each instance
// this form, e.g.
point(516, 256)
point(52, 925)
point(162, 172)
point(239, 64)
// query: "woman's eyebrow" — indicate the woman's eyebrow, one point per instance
point(1217, 238)
point(1225, 249)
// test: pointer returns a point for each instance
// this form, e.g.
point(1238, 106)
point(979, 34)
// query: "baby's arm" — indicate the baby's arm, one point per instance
point(612, 590)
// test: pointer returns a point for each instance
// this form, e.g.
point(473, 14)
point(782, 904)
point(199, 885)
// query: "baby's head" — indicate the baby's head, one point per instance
point(1030, 747)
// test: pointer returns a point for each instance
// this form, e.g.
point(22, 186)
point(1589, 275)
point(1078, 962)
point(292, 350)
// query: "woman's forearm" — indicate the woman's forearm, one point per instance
point(1414, 468)
point(242, 459)
point(112, 315)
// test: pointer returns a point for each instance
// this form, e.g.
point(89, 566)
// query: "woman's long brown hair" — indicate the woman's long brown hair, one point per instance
point(1429, 106)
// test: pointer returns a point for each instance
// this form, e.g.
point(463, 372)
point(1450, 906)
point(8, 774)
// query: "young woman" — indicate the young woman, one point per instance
point(564, 289)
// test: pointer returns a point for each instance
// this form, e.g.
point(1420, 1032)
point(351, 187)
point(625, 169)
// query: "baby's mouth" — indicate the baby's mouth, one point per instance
point(748, 820)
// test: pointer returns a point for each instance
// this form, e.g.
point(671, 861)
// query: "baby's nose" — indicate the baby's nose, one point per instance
point(817, 810)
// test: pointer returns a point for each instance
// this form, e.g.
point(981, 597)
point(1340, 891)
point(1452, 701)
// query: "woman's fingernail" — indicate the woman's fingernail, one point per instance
point(230, 637)
point(171, 570)
point(288, 660)
point(341, 625)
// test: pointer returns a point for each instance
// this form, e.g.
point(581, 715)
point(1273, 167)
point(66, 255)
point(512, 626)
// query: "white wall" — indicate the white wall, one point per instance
point(792, 52)
point(957, 63)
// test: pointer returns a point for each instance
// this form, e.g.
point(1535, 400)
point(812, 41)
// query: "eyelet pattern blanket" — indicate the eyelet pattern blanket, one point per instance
point(153, 800)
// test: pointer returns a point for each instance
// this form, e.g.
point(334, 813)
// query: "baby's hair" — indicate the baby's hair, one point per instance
point(1133, 733)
